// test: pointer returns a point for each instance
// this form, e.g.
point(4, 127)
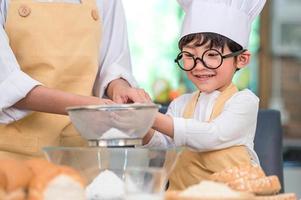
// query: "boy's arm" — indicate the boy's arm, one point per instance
point(158, 140)
point(232, 127)
point(163, 123)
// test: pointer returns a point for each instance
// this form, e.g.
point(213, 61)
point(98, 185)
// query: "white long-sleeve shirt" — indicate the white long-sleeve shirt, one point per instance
point(114, 59)
point(235, 126)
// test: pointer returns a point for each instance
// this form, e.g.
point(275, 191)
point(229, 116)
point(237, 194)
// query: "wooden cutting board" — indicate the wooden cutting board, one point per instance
point(173, 195)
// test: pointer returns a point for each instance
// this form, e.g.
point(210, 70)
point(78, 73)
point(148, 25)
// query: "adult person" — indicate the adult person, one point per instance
point(54, 55)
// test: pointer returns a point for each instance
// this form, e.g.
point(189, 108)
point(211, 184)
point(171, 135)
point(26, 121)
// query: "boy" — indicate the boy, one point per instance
point(218, 122)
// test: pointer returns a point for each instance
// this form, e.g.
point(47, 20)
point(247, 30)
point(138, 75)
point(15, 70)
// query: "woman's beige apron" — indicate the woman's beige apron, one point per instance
point(58, 45)
point(192, 167)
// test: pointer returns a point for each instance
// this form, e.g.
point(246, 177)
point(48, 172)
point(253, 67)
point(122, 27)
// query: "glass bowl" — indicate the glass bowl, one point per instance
point(91, 161)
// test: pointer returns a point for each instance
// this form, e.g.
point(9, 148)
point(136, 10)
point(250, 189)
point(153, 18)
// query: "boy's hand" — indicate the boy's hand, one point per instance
point(147, 138)
point(131, 122)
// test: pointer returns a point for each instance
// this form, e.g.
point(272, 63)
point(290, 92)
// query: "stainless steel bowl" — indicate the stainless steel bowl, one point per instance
point(133, 120)
point(91, 161)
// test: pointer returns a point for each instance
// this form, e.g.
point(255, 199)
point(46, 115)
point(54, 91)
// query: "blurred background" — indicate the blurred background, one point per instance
point(274, 74)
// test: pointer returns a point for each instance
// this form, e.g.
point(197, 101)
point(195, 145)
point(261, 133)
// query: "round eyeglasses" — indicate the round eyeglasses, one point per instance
point(211, 59)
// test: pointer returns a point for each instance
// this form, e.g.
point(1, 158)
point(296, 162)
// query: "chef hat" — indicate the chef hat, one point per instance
point(230, 18)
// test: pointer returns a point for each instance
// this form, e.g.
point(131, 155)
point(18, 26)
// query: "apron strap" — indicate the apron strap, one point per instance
point(190, 106)
point(218, 106)
point(222, 99)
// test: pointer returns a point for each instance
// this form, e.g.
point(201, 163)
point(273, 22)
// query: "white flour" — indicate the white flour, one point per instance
point(113, 133)
point(207, 189)
point(107, 185)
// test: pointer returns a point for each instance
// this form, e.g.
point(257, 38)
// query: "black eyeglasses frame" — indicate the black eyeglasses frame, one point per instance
point(233, 54)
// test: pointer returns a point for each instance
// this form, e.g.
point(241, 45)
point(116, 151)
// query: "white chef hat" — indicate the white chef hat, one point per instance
point(230, 18)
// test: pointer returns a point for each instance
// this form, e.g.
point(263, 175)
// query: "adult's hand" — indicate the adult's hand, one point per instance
point(120, 91)
point(104, 101)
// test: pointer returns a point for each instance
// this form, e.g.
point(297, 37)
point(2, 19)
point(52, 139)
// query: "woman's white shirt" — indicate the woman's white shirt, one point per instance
point(114, 59)
point(235, 126)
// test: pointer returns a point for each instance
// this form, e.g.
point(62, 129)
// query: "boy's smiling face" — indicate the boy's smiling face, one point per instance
point(208, 80)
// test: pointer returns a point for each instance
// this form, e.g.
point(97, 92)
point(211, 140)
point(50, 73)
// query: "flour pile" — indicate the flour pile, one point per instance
point(107, 185)
point(113, 133)
point(209, 189)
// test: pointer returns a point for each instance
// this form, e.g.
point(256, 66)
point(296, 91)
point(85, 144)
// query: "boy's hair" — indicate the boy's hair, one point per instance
point(215, 41)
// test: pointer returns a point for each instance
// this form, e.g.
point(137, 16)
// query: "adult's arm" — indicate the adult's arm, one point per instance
point(114, 58)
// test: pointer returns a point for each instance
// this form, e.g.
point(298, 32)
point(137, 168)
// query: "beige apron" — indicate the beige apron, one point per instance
point(58, 45)
point(192, 167)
